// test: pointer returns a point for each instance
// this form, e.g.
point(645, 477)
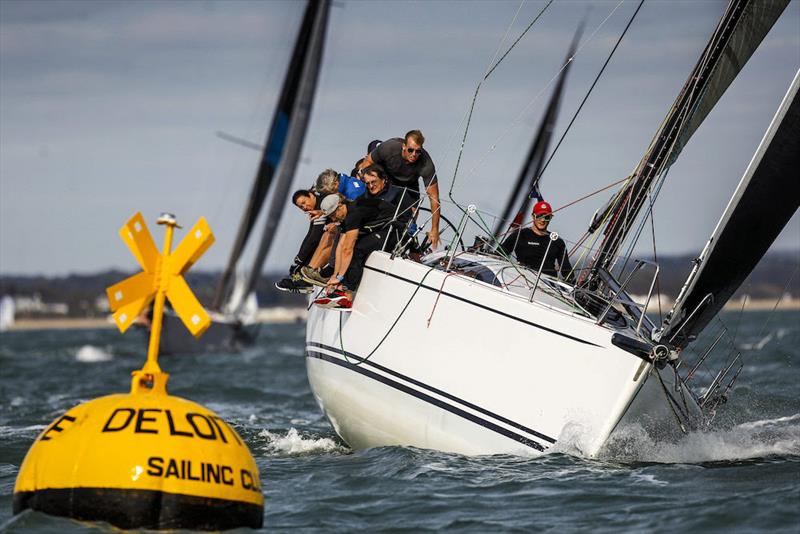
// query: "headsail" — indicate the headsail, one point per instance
point(295, 134)
point(766, 198)
point(534, 162)
point(742, 27)
point(307, 50)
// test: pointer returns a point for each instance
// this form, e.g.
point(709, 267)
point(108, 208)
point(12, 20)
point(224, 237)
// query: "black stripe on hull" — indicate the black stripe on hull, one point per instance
point(135, 508)
point(438, 402)
point(483, 307)
point(362, 361)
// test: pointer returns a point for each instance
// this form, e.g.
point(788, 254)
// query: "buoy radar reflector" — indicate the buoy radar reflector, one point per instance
point(146, 459)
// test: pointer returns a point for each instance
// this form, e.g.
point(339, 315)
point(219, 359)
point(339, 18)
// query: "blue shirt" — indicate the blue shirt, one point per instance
point(350, 187)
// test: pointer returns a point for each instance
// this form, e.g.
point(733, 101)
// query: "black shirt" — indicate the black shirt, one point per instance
point(389, 155)
point(367, 215)
point(530, 248)
point(401, 198)
point(313, 235)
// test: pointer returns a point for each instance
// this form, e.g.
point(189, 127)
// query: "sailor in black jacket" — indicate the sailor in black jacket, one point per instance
point(530, 244)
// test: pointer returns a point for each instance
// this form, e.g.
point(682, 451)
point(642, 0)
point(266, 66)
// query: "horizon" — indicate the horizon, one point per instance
point(772, 254)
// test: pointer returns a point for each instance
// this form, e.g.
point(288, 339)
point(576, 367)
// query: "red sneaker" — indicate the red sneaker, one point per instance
point(335, 299)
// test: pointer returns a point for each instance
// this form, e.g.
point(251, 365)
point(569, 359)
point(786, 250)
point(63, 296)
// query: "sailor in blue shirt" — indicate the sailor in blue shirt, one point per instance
point(329, 181)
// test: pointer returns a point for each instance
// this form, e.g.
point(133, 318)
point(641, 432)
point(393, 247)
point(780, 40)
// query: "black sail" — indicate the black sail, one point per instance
point(766, 198)
point(283, 122)
point(743, 26)
point(295, 135)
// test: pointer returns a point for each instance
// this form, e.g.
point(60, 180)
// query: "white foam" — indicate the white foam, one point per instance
point(750, 440)
point(759, 345)
point(91, 354)
point(770, 422)
point(294, 443)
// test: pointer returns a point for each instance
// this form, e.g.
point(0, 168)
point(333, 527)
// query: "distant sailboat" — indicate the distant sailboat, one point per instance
point(6, 313)
point(474, 353)
point(233, 307)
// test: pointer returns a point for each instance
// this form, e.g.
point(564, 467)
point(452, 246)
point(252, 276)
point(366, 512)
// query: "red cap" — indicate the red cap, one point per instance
point(542, 208)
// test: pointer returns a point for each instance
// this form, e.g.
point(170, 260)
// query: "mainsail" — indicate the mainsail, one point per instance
point(284, 138)
point(766, 198)
point(743, 26)
point(534, 162)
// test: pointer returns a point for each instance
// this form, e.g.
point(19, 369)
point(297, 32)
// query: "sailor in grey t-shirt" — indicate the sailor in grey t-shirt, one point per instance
point(405, 162)
point(389, 155)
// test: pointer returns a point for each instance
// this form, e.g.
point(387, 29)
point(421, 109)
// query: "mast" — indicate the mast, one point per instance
point(742, 27)
point(274, 149)
point(534, 162)
point(295, 134)
point(766, 198)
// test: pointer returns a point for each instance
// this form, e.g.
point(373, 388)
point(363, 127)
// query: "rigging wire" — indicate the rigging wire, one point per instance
point(655, 259)
point(477, 90)
point(778, 301)
point(450, 141)
point(597, 78)
point(516, 121)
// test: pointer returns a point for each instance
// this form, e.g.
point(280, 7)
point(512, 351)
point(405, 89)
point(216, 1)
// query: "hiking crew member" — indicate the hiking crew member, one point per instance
point(329, 182)
point(365, 226)
point(378, 186)
point(530, 244)
point(405, 161)
point(308, 201)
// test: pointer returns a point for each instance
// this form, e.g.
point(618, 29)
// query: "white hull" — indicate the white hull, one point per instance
point(491, 372)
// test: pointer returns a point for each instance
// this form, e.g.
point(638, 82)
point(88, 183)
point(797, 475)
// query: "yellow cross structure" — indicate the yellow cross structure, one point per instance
point(162, 277)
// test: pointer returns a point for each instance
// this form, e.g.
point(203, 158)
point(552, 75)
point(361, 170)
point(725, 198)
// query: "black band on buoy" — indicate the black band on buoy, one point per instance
point(128, 508)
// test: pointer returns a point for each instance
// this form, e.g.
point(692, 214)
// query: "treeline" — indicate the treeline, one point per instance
point(84, 293)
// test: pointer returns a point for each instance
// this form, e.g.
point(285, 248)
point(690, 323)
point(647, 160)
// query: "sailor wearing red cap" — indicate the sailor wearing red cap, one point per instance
point(530, 244)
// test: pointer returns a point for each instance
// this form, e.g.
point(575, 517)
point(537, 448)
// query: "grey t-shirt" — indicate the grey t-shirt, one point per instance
point(389, 155)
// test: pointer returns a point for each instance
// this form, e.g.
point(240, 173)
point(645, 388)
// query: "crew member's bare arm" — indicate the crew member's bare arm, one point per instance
point(433, 195)
point(344, 255)
point(366, 162)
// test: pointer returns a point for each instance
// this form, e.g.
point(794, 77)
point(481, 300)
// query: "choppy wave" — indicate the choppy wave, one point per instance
point(92, 354)
point(293, 443)
point(746, 441)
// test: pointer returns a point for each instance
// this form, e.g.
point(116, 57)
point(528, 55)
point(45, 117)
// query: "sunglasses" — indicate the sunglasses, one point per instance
point(545, 218)
point(414, 150)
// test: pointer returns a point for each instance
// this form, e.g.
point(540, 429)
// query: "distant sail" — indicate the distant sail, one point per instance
point(295, 135)
point(766, 198)
point(537, 154)
point(279, 130)
point(743, 26)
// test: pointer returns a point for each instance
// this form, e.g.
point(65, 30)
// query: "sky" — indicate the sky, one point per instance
point(109, 108)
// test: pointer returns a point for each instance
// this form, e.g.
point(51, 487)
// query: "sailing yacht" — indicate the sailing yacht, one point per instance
point(234, 307)
point(467, 351)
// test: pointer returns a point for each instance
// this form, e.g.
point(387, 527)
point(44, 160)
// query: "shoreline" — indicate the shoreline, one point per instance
point(296, 315)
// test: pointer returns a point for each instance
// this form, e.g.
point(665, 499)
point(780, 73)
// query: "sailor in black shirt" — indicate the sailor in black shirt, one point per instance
point(378, 186)
point(308, 201)
point(530, 244)
point(365, 227)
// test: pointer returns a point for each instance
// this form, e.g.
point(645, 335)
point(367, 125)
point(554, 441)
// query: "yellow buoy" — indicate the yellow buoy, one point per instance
point(146, 459)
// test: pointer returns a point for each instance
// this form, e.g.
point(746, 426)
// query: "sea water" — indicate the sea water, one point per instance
point(743, 475)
